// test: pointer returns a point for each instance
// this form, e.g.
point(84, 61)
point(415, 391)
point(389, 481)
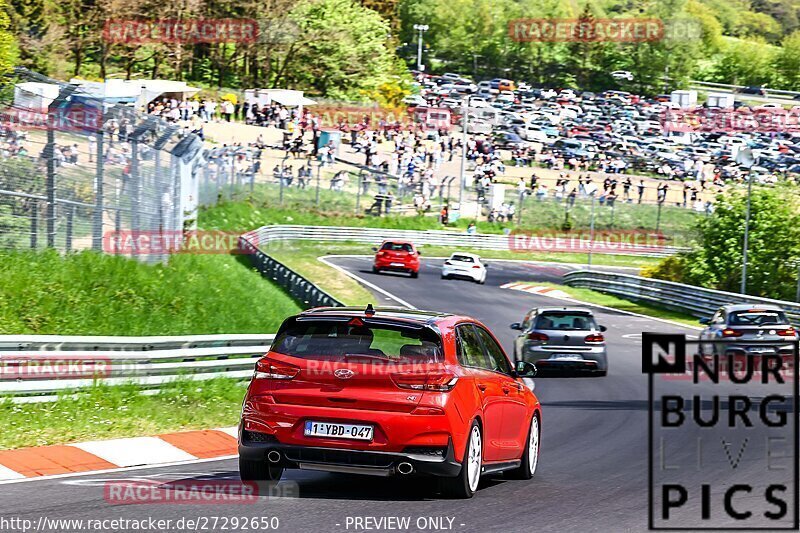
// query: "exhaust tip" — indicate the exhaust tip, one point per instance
point(274, 457)
point(405, 468)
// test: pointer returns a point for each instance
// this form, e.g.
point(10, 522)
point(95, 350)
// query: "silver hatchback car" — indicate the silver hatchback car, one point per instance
point(561, 338)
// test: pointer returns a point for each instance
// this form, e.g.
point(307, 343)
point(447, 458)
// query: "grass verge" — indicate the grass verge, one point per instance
point(104, 412)
point(608, 300)
point(88, 293)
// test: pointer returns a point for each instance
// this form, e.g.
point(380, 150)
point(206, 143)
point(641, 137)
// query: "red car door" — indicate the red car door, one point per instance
point(514, 428)
point(472, 358)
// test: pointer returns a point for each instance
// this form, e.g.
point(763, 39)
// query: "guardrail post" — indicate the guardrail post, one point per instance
point(97, 214)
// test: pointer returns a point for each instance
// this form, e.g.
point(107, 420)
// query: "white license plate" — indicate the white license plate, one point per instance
point(397, 264)
point(765, 349)
point(338, 431)
point(572, 356)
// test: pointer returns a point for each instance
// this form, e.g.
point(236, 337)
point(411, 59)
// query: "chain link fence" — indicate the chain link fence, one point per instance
point(78, 171)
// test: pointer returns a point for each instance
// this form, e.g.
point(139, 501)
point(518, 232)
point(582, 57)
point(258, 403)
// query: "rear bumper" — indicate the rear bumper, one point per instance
point(595, 359)
point(441, 463)
point(405, 267)
point(463, 274)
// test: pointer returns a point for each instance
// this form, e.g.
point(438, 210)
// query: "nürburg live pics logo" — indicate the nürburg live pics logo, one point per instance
point(722, 434)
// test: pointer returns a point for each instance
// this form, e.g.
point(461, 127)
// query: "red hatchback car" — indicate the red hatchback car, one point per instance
point(399, 256)
point(389, 392)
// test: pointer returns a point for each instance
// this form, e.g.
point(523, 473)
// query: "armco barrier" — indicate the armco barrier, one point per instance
point(47, 364)
point(262, 237)
point(695, 301)
point(299, 287)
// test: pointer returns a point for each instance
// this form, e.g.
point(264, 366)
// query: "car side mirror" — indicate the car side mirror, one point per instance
point(603, 328)
point(705, 320)
point(419, 253)
point(374, 248)
point(526, 369)
point(516, 325)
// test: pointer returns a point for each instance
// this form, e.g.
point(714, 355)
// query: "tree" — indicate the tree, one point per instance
point(787, 61)
point(773, 251)
point(8, 46)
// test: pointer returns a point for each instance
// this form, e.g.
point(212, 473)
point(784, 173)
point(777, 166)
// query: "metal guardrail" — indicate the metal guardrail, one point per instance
point(48, 364)
point(689, 299)
point(296, 285)
point(265, 235)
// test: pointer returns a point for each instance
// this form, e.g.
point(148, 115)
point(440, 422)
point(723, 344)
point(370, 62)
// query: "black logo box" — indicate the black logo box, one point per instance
point(674, 346)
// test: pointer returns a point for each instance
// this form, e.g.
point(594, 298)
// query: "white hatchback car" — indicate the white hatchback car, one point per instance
point(466, 266)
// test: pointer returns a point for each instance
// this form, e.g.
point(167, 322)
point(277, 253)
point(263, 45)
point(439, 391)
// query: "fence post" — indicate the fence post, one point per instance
point(319, 171)
point(34, 224)
point(358, 191)
point(50, 183)
point(68, 239)
point(134, 177)
point(97, 222)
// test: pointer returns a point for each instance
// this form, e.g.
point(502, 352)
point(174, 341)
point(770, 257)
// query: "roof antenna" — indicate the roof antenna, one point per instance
point(369, 310)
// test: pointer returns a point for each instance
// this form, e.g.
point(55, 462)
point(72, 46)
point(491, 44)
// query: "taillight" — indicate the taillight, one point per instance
point(537, 337)
point(266, 369)
point(728, 332)
point(789, 332)
point(594, 338)
point(431, 381)
point(379, 254)
point(476, 266)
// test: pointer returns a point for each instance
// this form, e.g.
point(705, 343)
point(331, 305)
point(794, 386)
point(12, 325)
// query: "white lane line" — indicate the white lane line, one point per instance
point(6, 474)
point(361, 280)
point(116, 470)
point(135, 451)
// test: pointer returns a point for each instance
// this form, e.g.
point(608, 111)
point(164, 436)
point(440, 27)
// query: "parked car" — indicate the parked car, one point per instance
point(389, 392)
point(465, 266)
point(622, 75)
point(753, 89)
point(396, 256)
point(561, 338)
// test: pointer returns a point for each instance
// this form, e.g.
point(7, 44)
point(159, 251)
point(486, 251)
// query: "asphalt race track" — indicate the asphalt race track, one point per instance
point(592, 472)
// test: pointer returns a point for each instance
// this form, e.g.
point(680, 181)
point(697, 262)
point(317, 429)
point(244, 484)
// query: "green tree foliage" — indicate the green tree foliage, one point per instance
point(773, 251)
point(8, 46)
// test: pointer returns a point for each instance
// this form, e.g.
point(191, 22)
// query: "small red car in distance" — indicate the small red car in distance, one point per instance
point(389, 392)
point(399, 256)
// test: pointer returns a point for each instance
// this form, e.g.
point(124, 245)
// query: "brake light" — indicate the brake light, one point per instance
point(266, 369)
point(476, 266)
point(537, 337)
point(789, 332)
point(430, 381)
point(728, 332)
point(379, 254)
point(594, 337)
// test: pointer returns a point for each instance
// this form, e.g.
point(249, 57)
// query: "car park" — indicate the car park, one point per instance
point(389, 392)
point(464, 266)
point(561, 338)
point(396, 256)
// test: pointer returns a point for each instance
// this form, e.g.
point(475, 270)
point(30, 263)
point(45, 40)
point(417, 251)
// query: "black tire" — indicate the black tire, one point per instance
point(458, 487)
point(258, 471)
point(415, 274)
point(600, 373)
point(524, 470)
point(376, 270)
point(444, 277)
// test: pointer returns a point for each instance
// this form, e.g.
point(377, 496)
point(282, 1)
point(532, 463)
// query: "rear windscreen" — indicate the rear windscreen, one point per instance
point(396, 246)
point(462, 258)
point(358, 341)
point(565, 321)
point(756, 318)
